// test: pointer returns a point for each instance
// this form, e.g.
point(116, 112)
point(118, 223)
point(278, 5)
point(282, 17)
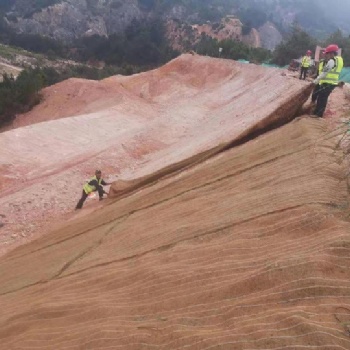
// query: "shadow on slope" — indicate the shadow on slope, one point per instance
point(248, 250)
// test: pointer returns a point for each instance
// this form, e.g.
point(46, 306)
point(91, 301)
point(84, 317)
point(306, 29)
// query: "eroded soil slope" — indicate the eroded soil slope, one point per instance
point(130, 127)
point(248, 250)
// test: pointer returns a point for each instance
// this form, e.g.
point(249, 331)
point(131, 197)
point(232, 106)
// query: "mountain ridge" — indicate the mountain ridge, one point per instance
point(67, 20)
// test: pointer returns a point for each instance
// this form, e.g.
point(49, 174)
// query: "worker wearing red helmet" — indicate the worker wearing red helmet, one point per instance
point(329, 78)
point(321, 65)
point(305, 64)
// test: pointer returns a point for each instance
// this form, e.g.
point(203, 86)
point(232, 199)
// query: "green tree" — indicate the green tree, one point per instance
point(231, 49)
point(251, 18)
point(295, 46)
point(143, 44)
point(343, 42)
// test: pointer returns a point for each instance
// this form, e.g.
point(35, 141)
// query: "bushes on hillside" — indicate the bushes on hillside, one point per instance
point(143, 44)
point(295, 46)
point(19, 95)
point(251, 18)
point(299, 42)
point(231, 49)
point(343, 42)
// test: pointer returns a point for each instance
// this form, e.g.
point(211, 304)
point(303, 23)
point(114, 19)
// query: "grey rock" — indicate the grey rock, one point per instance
point(72, 19)
point(270, 37)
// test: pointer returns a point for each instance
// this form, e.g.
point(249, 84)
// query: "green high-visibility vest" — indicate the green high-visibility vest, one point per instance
point(88, 188)
point(332, 77)
point(306, 62)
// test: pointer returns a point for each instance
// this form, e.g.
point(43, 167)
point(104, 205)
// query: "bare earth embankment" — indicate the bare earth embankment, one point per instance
point(236, 236)
point(130, 127)
point(246, 251)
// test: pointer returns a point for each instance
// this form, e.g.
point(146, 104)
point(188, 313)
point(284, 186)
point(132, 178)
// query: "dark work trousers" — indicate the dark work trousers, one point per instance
point(84, 196)
point(303, 72)
point(82, 200)
point(322, 98)
point(315, 93)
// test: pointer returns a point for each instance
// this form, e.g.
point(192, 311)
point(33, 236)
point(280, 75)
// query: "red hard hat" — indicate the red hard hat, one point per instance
point(308, 52)
point(331, 48)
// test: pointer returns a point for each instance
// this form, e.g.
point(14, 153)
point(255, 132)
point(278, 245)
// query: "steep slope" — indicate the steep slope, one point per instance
point(248, 250)
point(70, 19)
point(132, 127)
point(9, 69)
point(270, 37)
point(181, 35)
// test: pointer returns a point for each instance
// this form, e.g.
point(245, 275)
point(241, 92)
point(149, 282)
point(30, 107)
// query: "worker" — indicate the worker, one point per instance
point(329, 78)
point(305, 64)
point(95, 184)
point(321, 65)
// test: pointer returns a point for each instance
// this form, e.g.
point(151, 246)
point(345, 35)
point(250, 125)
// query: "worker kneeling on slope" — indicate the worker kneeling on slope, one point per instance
point(95, 184)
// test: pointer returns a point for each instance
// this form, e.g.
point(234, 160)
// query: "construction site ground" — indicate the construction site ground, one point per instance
point(227, 224)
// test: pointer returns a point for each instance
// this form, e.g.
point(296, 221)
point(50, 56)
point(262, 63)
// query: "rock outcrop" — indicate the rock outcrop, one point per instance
point(252, 39)
point(71, 19)
point(270, 37)
point(103, 17)
point(230, 27)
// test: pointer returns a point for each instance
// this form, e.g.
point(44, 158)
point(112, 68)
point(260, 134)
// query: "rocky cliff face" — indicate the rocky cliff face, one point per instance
point(270, 37)
point(180, 34)
point(75, 18)
point(229, 28)
point(67, 20)
point(252, 39)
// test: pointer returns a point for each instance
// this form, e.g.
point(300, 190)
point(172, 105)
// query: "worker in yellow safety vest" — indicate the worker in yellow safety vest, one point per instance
point(329, 78)
point(321, 65)
point(95, 184)
point(305, 65)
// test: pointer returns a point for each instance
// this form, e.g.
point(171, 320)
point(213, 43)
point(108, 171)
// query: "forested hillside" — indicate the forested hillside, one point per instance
point(314, 16)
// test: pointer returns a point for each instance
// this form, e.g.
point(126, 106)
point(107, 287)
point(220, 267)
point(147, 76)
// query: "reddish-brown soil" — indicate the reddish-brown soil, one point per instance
point(248, 250)
point(129, 127)
point(213, 238)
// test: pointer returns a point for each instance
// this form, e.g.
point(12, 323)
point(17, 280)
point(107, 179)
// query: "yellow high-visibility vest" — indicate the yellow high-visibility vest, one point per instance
point(320, 67)
point(88, 188)
point(306, 62)
point(332, 77)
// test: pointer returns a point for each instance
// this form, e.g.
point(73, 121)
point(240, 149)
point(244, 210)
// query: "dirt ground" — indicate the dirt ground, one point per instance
point(247, 250)
point(128, 127)
point(227, 226)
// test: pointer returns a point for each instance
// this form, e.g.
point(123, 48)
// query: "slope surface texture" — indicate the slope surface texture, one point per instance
point(247, 250)
point(131, 127)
